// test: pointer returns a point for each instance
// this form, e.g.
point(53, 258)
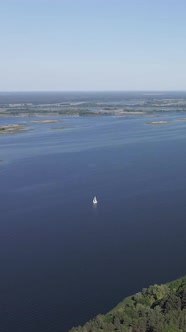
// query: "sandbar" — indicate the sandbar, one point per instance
point(158, 122)
point(12, 128)
point(45, 121)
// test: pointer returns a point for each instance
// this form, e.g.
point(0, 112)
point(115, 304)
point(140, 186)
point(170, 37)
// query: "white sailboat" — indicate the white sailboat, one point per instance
point(94, 200)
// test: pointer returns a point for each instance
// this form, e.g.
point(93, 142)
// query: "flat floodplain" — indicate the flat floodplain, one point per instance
point(64, 260)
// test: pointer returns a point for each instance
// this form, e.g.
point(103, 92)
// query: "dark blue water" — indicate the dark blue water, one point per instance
point(62, 260)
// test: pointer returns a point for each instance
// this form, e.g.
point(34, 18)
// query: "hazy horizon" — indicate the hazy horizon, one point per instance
point(88, 91)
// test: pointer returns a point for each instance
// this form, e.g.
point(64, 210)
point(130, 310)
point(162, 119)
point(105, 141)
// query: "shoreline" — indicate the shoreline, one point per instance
point(156, 308)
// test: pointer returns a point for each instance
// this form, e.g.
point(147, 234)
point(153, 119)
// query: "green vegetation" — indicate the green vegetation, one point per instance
point(93, 108)
point(159, 308)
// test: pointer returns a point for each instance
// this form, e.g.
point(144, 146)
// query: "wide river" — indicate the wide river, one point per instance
point(64, 260)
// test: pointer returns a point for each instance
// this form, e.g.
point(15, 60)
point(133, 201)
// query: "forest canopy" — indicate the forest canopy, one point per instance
point(159, 308)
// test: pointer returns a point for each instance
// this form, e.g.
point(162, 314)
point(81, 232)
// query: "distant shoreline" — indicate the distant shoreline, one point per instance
point(102, 112)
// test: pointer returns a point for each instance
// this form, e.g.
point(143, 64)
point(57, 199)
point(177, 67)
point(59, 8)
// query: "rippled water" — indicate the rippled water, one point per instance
point(62, 260)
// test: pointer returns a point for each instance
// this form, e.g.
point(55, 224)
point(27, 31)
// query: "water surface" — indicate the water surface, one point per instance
point(63, 260)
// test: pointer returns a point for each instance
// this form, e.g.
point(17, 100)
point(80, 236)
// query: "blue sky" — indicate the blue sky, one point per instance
point(92, 45)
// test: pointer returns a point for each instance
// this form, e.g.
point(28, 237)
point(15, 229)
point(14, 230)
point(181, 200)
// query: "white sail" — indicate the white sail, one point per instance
point(95, 200)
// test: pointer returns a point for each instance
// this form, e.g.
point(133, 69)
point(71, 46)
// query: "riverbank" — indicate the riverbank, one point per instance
point(157, 308)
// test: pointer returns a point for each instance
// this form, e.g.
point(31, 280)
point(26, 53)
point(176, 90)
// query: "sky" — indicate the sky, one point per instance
point(94, 45)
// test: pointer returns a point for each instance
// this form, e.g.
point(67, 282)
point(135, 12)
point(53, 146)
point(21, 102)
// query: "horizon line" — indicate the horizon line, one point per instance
point(27, 91)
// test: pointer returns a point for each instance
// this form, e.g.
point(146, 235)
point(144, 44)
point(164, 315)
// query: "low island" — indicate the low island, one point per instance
point(12, 128)
point(46, 121)
point(159, 308)
point(158, 122)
